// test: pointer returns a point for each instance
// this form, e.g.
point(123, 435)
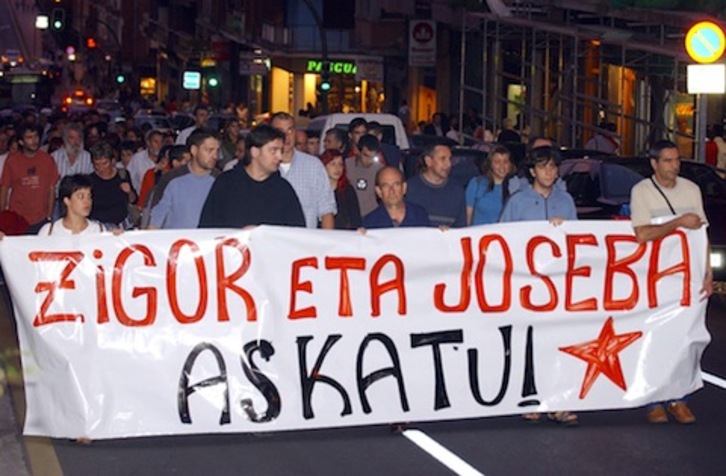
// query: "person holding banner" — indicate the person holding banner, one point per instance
point(307, 176)
point(254, 193)
point(487, 193)
point(348, 215)
point(542, 199)
point(659, 205)
point(112, 189)
point(394, 211)
point(443, 199)
point(75, 197)
point(183, 198)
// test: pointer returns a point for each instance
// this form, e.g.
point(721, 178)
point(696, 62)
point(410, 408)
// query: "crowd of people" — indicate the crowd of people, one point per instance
point(89, 176)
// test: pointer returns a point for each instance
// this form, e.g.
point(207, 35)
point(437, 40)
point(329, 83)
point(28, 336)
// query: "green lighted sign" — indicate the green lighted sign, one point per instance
point(338, 67)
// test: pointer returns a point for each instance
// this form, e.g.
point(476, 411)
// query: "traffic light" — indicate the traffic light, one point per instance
point(325, 84)
point(212, 81)
point(58, 19)
point(91, 43)
point(120, 78)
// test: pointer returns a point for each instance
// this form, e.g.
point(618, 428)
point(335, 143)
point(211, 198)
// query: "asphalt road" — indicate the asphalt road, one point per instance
point(606, 442)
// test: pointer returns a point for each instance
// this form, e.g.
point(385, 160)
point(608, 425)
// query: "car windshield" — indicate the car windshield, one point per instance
point(711, 184)
point(389, 133)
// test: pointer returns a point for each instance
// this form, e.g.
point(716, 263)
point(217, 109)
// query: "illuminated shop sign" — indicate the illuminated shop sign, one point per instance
point(338, 67)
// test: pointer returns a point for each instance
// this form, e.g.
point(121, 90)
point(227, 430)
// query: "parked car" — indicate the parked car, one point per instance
point(148, 119)
point(601, 187)
point(110, 107)
point(393, 130)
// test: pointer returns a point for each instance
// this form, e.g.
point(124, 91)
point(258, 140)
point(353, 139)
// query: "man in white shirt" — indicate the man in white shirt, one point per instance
point(145, 159)
point(72, 158)
point(307, 175)
point(660, 205)
point(201, 117)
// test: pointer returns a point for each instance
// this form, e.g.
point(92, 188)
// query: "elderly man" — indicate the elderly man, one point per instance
point(301, 140)
point(72, 158)
point(394, 211)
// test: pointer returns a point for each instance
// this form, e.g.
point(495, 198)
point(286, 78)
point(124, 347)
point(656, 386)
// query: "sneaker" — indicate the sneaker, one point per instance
point(681, 413)
point(657, 414)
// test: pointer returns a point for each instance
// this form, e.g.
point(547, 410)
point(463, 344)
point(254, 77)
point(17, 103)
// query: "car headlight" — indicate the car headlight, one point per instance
point(718, 261)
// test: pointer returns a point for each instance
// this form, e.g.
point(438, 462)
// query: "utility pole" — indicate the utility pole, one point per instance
point(325, 71)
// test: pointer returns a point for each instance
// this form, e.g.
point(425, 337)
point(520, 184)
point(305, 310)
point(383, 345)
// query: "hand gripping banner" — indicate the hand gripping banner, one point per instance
point(201, 331)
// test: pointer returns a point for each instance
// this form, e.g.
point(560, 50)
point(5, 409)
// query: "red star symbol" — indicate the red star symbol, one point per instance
point(601, 356)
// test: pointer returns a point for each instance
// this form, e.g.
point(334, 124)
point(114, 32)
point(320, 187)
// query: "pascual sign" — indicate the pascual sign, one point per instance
point(338, 67)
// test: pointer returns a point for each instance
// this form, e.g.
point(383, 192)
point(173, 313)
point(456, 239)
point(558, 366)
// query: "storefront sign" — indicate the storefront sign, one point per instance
point(250, 64)
point(706, 78)
point(336, 67)
point(192, 80)
point(211, 331)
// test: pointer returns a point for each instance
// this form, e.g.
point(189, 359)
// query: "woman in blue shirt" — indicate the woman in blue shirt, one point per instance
point(486, 193)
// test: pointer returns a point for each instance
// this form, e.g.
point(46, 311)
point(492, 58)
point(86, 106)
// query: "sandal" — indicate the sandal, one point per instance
point(564, 418)
point(532, 417)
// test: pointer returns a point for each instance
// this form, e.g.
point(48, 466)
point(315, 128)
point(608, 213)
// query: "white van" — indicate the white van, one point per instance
point(393, 130)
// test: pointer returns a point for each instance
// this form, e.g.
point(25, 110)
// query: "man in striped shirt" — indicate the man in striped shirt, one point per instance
point(72, 158)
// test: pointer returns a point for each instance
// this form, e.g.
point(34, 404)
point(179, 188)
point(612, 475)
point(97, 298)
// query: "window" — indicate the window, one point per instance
point(339, 14)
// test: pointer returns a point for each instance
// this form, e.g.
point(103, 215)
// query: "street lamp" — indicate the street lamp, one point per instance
point(325, 83)
point(42, 23)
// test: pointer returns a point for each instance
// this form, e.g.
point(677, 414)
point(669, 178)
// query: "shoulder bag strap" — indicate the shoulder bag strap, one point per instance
point(673, 211)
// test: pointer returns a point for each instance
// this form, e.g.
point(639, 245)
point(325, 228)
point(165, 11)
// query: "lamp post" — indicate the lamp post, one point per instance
point(108, 58)
point(324, 50)
point(42, 23)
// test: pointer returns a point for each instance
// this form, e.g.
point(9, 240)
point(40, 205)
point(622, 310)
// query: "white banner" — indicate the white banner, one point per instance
point(202, 331)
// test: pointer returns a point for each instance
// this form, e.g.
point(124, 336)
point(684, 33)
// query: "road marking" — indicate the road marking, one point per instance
point(442, 454)
point(713, 380)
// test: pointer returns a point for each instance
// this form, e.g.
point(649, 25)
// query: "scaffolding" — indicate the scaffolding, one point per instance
point(563, 75)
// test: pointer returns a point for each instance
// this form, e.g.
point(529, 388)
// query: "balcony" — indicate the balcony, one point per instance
point(276, 35)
